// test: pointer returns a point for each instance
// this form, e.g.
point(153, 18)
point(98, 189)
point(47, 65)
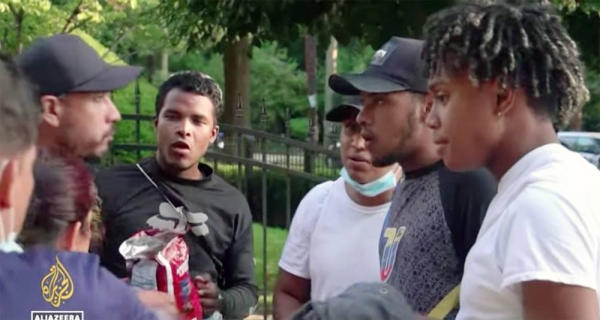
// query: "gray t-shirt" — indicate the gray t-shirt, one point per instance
point(431, 225)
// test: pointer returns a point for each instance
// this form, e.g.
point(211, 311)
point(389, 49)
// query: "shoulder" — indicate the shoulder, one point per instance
point(108, 176)
point(38, 267)
point(226, 187)
point(319, 192)
point(554, 203)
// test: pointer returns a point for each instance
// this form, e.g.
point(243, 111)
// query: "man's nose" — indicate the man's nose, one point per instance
point(113, 113)
point(358, 142)
point(185, 128)
point(432, 119)
point(362, 118)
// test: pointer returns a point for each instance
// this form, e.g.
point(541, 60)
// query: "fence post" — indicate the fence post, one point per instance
point(288, 186)
point(263, 120)
point(137, 120)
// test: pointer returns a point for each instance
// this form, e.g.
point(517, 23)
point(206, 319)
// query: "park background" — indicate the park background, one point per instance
point(269, 56)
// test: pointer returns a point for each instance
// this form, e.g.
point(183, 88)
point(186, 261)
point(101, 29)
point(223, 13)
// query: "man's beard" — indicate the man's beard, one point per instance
point(402, 151)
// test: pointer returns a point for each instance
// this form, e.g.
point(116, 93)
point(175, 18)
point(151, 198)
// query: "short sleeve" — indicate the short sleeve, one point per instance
point(295, 256)
point(547, 238)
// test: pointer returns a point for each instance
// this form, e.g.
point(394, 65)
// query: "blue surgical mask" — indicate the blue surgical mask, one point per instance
point(8, 238)
point(373, 188)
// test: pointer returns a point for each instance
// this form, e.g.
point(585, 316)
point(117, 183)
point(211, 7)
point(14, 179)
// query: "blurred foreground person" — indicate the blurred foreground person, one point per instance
point(333, 238)
point(500, 76)
point(43, 279)
point(361, 301)
point(73, 85)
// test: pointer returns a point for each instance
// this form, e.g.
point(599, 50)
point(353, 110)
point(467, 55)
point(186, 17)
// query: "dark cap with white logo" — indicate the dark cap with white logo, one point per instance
point(396, 66)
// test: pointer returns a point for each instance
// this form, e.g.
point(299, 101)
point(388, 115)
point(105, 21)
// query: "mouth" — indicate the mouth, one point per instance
point(180, 146)
point(440, 141)
point(358, 159)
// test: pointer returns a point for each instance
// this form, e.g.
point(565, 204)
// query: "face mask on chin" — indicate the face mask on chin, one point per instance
point(373, 188)
point(8, 238)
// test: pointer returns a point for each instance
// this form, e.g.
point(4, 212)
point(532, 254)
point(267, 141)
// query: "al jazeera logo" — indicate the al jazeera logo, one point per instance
point(57, 287)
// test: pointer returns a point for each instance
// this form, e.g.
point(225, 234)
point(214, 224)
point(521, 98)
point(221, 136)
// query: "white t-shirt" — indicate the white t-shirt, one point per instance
point(544, 224)
point(333, 241)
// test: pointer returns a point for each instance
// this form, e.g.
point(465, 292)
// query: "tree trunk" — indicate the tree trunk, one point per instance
point(330, 68)
point(236, 64)
point(310, 65)
point(19, 17)
point(164, 64)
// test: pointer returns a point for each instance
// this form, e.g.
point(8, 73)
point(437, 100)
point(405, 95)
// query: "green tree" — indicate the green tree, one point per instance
point(236, 25)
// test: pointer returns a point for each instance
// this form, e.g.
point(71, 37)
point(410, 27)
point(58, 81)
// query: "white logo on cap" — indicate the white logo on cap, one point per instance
point(383, 54)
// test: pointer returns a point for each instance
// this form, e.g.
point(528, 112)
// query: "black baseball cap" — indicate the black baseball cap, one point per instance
point(395, 67)
point(348, 108)
point(64, 63)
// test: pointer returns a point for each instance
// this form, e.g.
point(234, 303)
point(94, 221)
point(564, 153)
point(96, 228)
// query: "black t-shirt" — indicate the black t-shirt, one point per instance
point(221, 243)
point(432, 223)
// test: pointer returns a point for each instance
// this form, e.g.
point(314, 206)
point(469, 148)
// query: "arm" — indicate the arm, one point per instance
point(241, 293)
point(549, 253)
point(290, 293)
point(292, 288)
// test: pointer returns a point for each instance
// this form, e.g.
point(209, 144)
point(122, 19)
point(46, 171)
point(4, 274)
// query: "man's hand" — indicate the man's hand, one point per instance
point(158, 300)
point(209, 294)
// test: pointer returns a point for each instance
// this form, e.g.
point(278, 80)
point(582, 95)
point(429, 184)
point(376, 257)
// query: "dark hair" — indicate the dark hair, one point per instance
point(19, 110)
point(64, 193)
point(194, 82)
point(522, 46)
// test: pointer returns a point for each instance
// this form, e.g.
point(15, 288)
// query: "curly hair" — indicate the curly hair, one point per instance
point(521, 46)
point(194, 82)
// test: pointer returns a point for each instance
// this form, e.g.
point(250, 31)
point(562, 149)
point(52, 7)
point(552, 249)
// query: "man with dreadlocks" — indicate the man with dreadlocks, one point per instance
point(500, 76)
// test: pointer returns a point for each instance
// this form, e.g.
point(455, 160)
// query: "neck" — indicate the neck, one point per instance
point(425, 153)
point(192, 173)
point(47, 138)
point(365, 201)
point(529, 136)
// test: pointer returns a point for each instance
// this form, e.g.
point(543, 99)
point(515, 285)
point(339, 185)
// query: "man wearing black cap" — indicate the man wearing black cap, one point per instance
point(334, 221)
point(435, 213)
point(74, 85)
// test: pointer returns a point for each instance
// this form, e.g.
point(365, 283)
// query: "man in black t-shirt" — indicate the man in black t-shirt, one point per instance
point(172, 191)
point(435, 213)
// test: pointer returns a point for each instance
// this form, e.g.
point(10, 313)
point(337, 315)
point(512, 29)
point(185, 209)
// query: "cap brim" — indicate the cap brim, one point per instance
point(113, 78)
point(341, 113)
point(354, 84)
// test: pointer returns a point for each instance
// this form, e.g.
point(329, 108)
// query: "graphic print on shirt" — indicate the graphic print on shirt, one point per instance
point(391, 238)
point(179, 220)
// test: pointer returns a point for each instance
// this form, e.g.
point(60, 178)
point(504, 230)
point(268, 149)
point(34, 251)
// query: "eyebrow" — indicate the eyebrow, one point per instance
point(435, 83)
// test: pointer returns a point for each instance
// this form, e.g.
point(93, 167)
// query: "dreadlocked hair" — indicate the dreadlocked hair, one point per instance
point(521, 46)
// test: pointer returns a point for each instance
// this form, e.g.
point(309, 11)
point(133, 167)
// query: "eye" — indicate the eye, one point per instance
point(441, 97)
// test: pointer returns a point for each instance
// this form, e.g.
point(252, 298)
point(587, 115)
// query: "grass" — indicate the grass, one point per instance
point(275, 240)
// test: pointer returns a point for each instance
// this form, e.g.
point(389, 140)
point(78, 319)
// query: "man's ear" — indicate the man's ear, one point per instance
point(505, 99)
point(52, 110)
point(7, 179)
point(424, 105)
point(214, 134)
point(155, 122)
